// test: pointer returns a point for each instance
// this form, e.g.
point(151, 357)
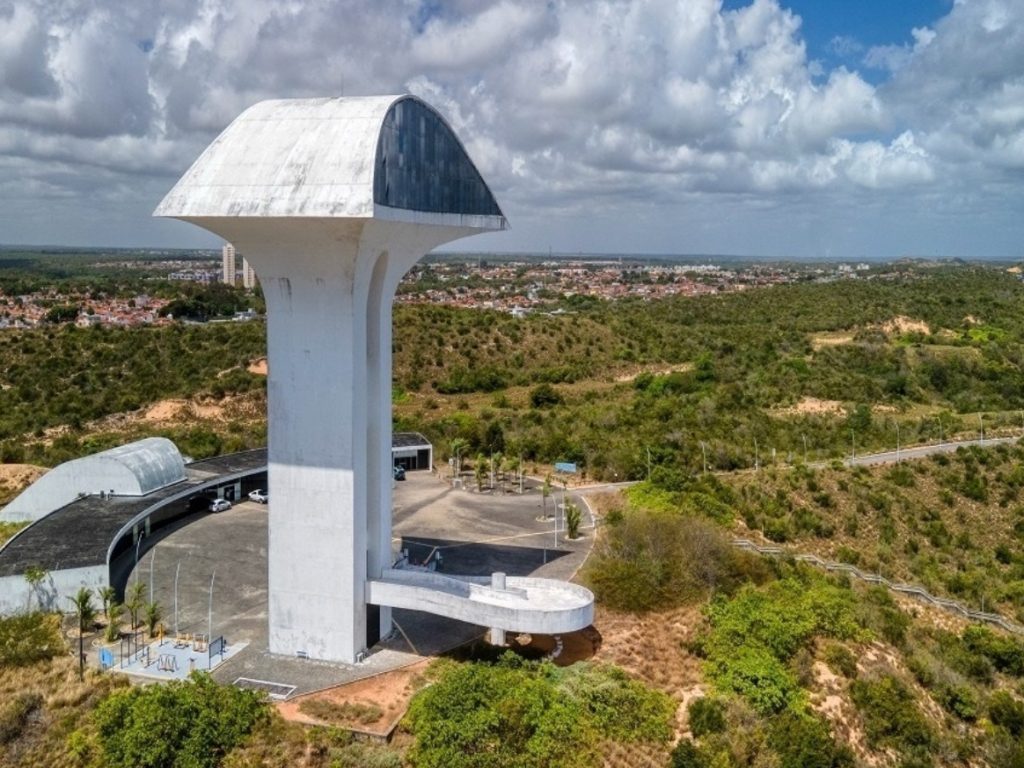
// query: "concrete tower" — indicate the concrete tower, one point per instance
point(248, 274)
point(227, 263)
point(332, 201)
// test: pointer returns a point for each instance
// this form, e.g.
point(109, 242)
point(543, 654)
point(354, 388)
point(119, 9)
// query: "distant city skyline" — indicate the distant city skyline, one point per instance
point(800, 129)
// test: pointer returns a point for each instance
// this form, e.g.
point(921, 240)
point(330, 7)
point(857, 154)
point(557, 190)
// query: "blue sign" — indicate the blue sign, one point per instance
point(565, 466)
point(106, 659)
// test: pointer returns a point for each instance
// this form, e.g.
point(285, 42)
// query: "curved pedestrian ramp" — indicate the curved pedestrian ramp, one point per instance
point(512, 604)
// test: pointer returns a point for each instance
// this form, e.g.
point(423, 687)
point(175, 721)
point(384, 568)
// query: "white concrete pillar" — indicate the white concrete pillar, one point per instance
point(329, 287)
point(497, 634)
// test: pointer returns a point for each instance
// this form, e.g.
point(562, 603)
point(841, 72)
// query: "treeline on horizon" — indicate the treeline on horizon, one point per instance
point(606, 382)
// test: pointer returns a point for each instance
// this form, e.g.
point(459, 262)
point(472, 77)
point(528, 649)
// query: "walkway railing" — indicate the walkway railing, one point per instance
point(952, 606)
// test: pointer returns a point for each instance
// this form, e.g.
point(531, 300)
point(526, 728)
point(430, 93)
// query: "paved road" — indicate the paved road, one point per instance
point(918, 452)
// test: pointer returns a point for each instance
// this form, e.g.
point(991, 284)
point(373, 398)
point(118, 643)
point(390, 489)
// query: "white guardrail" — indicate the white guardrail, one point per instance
point(952, 606)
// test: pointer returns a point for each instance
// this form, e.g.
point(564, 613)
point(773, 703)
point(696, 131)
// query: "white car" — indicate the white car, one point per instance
point(259, 496)
point(219, 505)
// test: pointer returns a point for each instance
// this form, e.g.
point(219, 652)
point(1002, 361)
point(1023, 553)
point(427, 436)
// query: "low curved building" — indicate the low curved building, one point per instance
point(135, 469)
point(92, 518)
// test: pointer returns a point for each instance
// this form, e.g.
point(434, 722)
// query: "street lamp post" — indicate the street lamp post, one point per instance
point(704, 451)
point(209, 610)
point(152, 557)
point(177, 571)
point(138, 542)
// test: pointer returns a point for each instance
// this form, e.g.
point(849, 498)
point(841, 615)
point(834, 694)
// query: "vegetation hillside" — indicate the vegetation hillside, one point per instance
point(779, 664)
point(953, 523)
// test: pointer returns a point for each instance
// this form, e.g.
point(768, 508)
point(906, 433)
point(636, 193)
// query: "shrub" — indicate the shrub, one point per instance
point(687, 755)
point(526, 714)
point(959, 700)
point(804, 741)
point(879, 612)
point(1005, 653)
point(190, 724)
point(840, 660)
point(891, 716)
point(28, 638)
point(758, 677)
point(1007, 712)
point(657, 560)
point(544, 396)
point(706, 716)
point(754, 634)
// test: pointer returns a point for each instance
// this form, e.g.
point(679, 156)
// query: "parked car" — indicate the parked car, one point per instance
point(398, 473)
point(219, 505)
point(259, 496)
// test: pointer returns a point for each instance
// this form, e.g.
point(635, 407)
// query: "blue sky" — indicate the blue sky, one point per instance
point(840, 33)
point(868, 129)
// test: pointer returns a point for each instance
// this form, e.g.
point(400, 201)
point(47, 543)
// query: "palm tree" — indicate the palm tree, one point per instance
point(134, 602)
point(478, 471)
point(545, 491)
point(114, 612)
point(107, 595)
point(573, 518)
point(153, 615)
point(86, 613)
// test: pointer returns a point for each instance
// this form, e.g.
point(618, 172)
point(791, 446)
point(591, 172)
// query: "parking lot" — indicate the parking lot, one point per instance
point(474, 533)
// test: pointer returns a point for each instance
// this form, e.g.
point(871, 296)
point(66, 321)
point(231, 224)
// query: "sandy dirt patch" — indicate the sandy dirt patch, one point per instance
point(16, 477)
point(171, 410)
point(390, 693)
point(813, 406)
point(259, 367)
point(656, 370)
point(903, 324)
point(830, 339)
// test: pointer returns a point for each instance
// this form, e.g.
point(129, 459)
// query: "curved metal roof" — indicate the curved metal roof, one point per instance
point(154, 462)
point(390, 157)
point(135, 469)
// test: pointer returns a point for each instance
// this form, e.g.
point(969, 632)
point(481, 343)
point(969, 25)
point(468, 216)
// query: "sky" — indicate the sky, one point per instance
point(763, 128)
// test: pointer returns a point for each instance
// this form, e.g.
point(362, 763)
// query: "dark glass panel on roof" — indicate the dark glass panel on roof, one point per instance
point(421, 166)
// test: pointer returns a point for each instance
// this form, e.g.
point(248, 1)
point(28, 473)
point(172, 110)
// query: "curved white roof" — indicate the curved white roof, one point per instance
point(135, 469)
point(376, 156)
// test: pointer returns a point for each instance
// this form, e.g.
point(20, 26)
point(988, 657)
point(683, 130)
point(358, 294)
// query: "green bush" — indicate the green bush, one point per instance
point(525, 714)
point(687, 755)
point(1007, 712)
point(706, 716)
point(840, 660)
point(805, 741)
point(190, 724)
point(891, 716)
point(960, 700)
point(753, 635)
point(653, 561)
point(1005, 653)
